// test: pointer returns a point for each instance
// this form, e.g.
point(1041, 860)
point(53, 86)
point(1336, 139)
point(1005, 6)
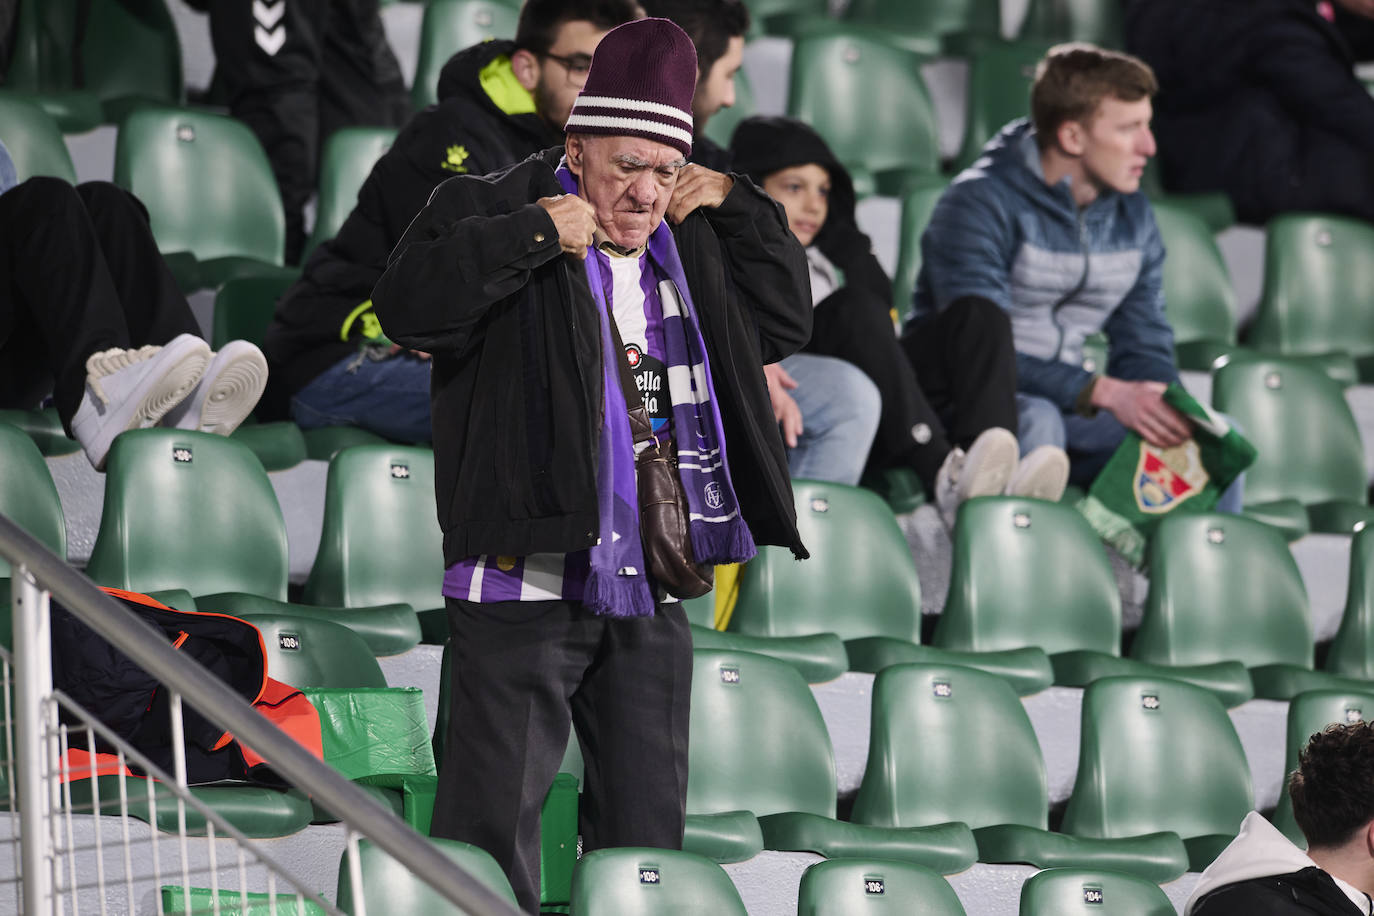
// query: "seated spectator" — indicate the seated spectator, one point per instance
point(1050, 226)
point(1259, 99)
point(1261, 872)
point(499, 102)
point(966, 446)
point(89, 312)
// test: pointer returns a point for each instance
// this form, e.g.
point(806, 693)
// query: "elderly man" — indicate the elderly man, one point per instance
point(512, 281)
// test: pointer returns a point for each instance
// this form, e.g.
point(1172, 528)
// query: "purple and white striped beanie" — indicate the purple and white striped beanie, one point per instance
point(641, 82)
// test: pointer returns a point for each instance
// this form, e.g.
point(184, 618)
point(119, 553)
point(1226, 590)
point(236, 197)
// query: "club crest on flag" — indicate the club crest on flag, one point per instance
point(1165, 477)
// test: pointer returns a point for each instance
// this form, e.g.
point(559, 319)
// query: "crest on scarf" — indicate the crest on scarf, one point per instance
point(1165, 477)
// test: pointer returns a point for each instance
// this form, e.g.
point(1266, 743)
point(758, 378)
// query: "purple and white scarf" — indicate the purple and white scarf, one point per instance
point(616, 583)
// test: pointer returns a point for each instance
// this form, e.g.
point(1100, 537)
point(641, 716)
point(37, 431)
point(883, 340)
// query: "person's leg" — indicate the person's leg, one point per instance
point(631, 715)
point(1090, 443)
point(839, 408)
point(1041, 422)
point(389, 397)
point(360, 79)
point(515, 665)
point(851, 326)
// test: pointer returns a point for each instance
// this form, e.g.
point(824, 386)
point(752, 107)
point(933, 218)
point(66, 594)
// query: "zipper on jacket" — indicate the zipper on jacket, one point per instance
point(1067, 297)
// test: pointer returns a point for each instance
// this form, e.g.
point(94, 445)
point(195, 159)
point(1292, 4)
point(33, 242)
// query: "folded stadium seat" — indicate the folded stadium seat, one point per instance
point(1311, 460)
point(177, 899)
point(41, 63)
point(450, 26)
point(348, 156)
point(28, 496)
point(323, 443)
point(1200, 302)
point(918, 203)
point(860, 584)
point(1351, 653)
point(1225, 588)
point(928, 763)
point(1309, 713)
point(780, 17)
point(209, 190)
point(1053, 21)
point(841, 75)
point(999, 81)
point(1318, 278)
point(33, 139)
point(1087, 892)
point(196, 511)
point(818, 658)
point(640, 881)
point(380, 541)
point(130, 55)
point(44, 427)
point(390, 887)
point(761, 771)
point(1031, 573)
point(1159, 754)
point(860, 887)
point(949, 27)
point(722, 125)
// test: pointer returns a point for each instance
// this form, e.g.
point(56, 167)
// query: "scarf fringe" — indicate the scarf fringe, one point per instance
point(611, 595)
point(1115, 529)
point(722, 542)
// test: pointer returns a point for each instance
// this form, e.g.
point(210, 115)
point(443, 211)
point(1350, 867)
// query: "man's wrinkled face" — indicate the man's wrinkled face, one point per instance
point(627, 180)
point(1117, 144)
point(561, 71)
point(716, 89)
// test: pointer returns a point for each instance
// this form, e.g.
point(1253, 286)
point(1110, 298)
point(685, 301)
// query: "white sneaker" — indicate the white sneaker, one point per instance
point(130, 388)
point(983, 471)
point(1042, 474)
point(227, 392)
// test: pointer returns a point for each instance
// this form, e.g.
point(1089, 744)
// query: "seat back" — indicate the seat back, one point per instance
point(758, 740)
point(28, 496)
point(390, 887)
point(450, 26)
point(1318, 282)
point(1298, 419)
point(918, 203)
point(206, 183)
point(1157, 754)
point(244, 307)
point(1090, 891)
point(999, 81)
point(927, 752)
point(1352, 650)
point(638, 881)
point(313, 652)
point(188, 510)
point(934, 17)
point(1222, 588)
point(1309, 713)
point(860, 581)
point(381, 541)
point(833, 68)
point(861, 887)
point(130, 55)
point(33, 140)
point(348, 157)
point(1200, 301)
point(43, 42)
point(1028, 573)
point(1095, 21)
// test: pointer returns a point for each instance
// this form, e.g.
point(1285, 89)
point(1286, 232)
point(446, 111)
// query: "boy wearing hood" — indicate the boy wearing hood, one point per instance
point(1050, 226)
point(1262, 873)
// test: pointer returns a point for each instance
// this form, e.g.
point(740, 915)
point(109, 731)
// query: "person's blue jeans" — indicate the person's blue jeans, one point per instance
point(1090, 441)
point(389, 397)
point(839, 407)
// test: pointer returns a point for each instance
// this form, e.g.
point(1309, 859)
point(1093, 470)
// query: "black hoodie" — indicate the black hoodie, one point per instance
point(465, 133)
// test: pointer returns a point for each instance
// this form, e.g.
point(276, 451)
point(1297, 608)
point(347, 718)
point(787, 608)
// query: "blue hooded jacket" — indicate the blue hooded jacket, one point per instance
point(1002, 234)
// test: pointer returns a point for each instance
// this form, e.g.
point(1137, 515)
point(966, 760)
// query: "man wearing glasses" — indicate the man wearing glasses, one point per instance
point(499, 102)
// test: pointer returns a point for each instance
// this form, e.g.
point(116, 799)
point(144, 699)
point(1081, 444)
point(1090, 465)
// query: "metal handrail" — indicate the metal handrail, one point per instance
point(148, 648)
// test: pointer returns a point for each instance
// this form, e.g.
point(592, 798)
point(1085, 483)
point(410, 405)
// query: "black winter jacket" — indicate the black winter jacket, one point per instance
point(479, 281)
point(1245, 87)
point(1310, 890)
point(466, 133)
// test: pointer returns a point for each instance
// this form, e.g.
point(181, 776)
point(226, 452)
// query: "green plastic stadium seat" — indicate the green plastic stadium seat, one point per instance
point(1200, 301)
point(388, 629)
point(1318, 273)
point(782, 17)
point(311, 652)
point(42, 63)
point(279, 445)
point(258, 811)
point(390, 887)
point(44, 427)
point(927, 764)
point(1309, 445)
point(1135, 734)
point(208, 188)
point(450, 26)
point(638, 881)
point(930, 27)
point(33, 139)
point(838, 65)
point(860, 887)
point(323, 443)
point(1351, 653)
point(817, 658)
point(345, 163)
point(918, 203)
point(861, 583)
point(176, 899)
point(28, 496)
point(244, 307)
point(1095, 21)
point(1309, 713)
point(999, 81)
point(131, 56)
point(1088, 892)
point(759, 744)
